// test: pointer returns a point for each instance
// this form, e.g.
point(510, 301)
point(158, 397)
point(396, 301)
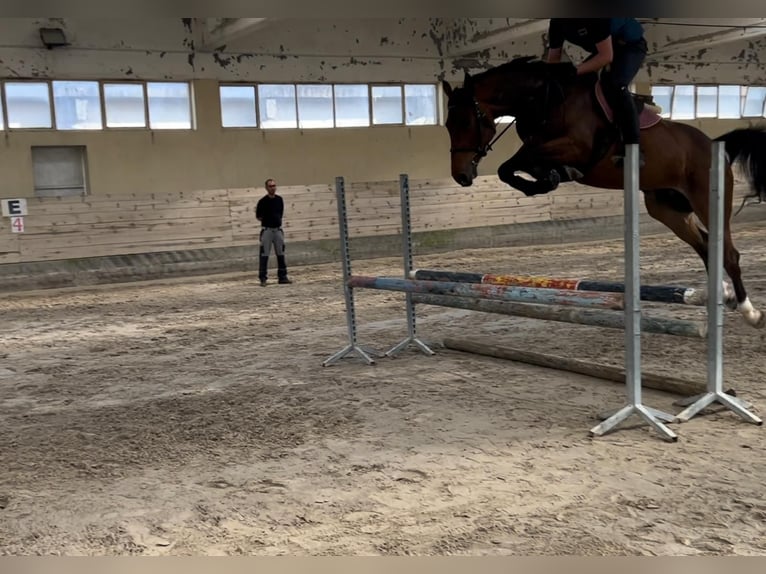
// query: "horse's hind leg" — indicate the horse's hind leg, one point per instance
point(752, 316)
point(669, 208)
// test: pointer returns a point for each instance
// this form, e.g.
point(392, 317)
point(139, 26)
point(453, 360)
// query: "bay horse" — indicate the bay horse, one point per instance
point(567, 135)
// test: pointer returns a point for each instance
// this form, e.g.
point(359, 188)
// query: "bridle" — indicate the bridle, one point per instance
point(480, 150)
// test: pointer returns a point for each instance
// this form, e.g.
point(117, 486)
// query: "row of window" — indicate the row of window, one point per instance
point(727, 102)
point(93, 105)
point(327, 105)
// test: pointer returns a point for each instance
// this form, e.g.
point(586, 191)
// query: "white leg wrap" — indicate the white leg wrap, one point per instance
point(752, 315)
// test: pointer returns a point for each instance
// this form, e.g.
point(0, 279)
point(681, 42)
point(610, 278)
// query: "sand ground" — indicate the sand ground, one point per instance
point(194, 417)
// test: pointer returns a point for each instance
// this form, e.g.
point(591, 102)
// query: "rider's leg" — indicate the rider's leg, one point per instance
point(627, 121)
point(625, 64)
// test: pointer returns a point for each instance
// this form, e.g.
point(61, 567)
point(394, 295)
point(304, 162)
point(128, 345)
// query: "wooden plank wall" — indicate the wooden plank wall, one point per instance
point(66, 228)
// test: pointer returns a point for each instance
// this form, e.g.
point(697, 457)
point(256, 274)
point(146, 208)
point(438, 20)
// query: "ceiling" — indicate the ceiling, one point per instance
point(354, 49)
point(471, 36)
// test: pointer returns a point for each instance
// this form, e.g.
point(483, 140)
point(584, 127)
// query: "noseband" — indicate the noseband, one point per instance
point(480, 150)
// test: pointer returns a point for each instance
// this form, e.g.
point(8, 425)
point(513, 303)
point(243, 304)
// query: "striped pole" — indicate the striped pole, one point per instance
point(494, 292)
point(582, 316)
point(657, 293)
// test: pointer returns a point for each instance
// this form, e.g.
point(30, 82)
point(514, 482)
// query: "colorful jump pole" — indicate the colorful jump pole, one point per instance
point(659, 293)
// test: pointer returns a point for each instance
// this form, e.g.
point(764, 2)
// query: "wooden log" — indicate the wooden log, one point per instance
point(656, 293)
point(598, 370)
point(578, 315)
point(494, 292)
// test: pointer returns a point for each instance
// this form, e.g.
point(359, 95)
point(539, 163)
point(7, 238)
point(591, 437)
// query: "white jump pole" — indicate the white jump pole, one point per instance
point(412, 338)
point(633, 313)
point(352, 347)
point(715, 393)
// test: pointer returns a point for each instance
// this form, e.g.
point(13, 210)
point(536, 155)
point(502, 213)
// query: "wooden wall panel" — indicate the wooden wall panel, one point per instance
point(61, 228)
point(9, 243)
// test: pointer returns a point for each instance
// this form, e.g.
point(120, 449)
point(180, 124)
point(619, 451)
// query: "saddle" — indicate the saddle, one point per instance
point(648, 113)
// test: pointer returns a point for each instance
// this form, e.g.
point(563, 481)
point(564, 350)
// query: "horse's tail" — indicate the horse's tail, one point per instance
point(747, 148)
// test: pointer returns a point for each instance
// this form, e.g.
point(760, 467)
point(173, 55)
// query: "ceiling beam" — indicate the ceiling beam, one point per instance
point(229, 29)
point(487, 40)
point(754, 29)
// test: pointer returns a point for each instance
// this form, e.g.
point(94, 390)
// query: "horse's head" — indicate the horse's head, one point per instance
point(471, 128)
point(520, 88)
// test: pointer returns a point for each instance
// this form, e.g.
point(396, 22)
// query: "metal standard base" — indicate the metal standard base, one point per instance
point(662, 415)
point(685, 402)
point(650, 415)
point(354, 349)
point(404, 344)
point(728, 401)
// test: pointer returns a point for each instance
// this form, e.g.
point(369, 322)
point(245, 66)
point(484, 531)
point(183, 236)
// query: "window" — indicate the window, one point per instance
point(387, 105)
point(729, 102)
point(315, 109)
point(125, 105)
point(307, 106)
point(707, 101)
point(77, 105)
point(238, 107)
point(663, 96)
point(420, 104)
point(277, 105)
point(59, 171)
point(29, 105)
point(754, 101)
point(683, 103)
point(169, 105)
point(352, 105)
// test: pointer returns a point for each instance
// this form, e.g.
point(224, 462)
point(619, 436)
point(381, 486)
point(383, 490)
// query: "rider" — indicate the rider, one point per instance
point(617, 42)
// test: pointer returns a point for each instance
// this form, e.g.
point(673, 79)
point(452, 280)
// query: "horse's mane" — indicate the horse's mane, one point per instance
point(556, 76)
point(532, 64)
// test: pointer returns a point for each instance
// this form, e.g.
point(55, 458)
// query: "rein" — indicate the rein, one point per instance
point(481, 150)
point(497, 137)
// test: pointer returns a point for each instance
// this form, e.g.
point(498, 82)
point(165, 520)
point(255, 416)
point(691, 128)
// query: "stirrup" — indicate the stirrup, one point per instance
point(619, 160)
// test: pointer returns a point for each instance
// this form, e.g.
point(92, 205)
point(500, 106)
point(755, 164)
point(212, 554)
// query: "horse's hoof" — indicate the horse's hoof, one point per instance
point(756, 319)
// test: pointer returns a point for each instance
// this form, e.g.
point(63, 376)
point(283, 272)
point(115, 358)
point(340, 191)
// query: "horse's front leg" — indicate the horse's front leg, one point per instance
point(548, 175)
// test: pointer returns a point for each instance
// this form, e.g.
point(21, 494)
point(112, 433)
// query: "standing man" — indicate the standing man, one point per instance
point(269, 211)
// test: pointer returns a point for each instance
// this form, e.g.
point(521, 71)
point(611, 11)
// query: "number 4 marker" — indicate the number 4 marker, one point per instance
point(17, 224)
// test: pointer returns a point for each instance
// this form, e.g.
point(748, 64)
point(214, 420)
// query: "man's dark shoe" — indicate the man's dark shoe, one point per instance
point(263, 283)
point(285, 281)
